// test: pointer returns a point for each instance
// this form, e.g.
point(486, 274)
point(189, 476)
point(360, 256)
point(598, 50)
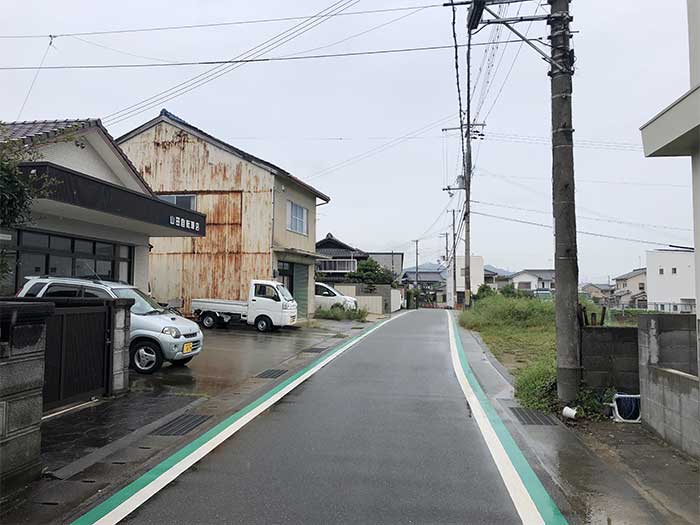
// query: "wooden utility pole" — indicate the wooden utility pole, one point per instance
point(564, 206)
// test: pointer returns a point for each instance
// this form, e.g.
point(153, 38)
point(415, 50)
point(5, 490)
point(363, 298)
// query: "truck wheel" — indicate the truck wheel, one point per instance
point(263, 324)
point(208, 320)
point(146, 357)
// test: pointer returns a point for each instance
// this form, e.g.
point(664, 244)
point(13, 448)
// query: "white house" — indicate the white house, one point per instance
point(675, 132)
point(476, 274)
point(533, 280)
point(671, 280)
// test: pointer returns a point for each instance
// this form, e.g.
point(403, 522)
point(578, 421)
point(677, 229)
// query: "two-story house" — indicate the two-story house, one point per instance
point(671, 280)
point(340, 259)
point(261, 220)
point(630, 289)
point(534, 281)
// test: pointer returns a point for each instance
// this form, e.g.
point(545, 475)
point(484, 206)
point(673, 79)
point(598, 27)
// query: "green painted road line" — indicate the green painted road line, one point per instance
point(543, 501)
point(97, 513)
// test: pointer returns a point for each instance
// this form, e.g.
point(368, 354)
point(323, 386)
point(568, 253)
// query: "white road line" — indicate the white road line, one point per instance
point(140, 497)
point(526, 508)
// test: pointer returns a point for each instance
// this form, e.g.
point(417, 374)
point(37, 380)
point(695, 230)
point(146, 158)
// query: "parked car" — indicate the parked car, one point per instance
point(269, 306)
point(328, 297)
point(157, 334)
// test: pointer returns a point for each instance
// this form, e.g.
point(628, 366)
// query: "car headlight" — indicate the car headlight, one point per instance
point(172, 332)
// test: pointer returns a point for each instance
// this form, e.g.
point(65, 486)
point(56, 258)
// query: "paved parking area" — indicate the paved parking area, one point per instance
point(231, 355)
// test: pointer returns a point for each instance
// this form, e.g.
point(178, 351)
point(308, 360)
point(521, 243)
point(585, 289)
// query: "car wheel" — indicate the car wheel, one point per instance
point(208, 320)
point(181, 362)
point(146, 357)
point(263, 324)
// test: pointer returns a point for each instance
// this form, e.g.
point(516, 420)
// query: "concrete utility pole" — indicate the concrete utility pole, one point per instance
point(415, 275)
point(564, 206)
point(454, 259)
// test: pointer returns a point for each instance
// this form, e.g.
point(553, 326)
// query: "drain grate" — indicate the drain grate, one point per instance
point(271, 373)
point(527, 416)
point(315, 350)
point(181, 425)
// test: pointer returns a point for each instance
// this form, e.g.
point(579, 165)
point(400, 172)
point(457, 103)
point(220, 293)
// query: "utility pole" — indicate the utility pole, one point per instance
point(454, 259)
point(564, 205)
point(415, 276)
point(446, 235)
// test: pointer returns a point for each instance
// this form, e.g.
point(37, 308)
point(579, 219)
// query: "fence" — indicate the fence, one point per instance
point(610, 358)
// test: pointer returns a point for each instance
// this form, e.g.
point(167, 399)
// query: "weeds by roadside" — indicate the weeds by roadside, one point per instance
point(341, 314)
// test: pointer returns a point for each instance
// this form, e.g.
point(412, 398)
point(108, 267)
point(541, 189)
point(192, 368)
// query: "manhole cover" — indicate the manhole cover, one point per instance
point(527, 416)
point(315, 350)
point(181, 425)
point(271, 373)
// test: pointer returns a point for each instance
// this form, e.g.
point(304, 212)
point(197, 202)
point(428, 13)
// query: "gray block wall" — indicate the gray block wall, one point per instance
point(670, 397)
point(120, 345)
point(610, 358)
point(22, 347)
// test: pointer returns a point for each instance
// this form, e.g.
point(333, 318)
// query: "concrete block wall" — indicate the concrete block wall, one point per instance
point(120, 344)
point(670, 398)
point(22, 347)
point(610, 358)
point(366, 295)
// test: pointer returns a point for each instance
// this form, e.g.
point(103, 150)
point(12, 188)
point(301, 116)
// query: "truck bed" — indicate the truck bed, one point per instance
point(220, 306)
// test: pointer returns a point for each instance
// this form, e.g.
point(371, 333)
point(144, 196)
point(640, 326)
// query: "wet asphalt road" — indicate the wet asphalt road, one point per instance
point(383, 434)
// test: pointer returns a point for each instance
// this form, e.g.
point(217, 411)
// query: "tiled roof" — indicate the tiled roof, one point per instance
point(37, 130)
point(631, 274)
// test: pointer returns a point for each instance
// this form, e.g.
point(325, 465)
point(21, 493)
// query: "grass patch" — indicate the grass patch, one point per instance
point(341, 314)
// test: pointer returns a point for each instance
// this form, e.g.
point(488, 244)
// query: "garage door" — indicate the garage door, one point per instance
point(301, 289)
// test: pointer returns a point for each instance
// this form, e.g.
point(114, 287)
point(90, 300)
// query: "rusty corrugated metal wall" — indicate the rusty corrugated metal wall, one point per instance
point(236, 197)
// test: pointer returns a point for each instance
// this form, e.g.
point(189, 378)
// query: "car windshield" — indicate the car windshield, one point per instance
point(284, 293)
point(143, 303)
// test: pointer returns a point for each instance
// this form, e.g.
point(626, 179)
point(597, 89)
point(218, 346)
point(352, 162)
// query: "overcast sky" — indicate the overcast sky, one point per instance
point(310, 115)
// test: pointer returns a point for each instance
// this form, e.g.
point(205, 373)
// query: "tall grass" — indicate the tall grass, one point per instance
point(515, 312)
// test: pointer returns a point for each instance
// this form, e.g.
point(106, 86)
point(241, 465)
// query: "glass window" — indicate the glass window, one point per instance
point(674, 271)
point(35, 240)
point(34, 289)
point(60, 266)
point(85, 268)
point(297, 218)
point(104, 270)
point(284, 292)
point(266, 291)
point(123, 252)
point(183, 201)
point(60, 243)
point(84, 246)
point(143, 304)
point(661, 271)
point(123, 274)
point(7, 282)
point(62, 290)
point(93, 293)
point(31, 264)
point(104, 250)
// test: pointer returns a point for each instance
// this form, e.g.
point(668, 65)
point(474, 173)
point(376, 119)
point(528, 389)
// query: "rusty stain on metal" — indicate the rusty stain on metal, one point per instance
point(236, 197)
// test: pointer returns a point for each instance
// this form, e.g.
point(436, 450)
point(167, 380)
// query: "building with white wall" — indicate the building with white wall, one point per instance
point(476, 275)
point(671, 281)
point(675, 131)
point(534, 281)
point(97, 215)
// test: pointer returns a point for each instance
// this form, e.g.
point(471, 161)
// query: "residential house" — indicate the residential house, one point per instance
point(671, 280)
point(496, 277)
point(534, 281)
point(98, 214)
point(431, 278)
point(490, 278)
point(630, 289)
point(668, 394)
point(261, 219)
point(341, 258)
point(600, 293)
point(476, 276)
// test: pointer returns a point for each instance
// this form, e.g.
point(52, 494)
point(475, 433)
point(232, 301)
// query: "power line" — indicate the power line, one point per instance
point(592, 234)
point(459, 87)
point(591, 181)
point(121, 51)
point(219, 70)
point(36, 75)
point(219, 24)
point(237, 61)
point(598, 219)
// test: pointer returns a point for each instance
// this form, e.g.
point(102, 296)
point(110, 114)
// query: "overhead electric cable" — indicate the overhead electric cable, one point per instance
point(31, 86)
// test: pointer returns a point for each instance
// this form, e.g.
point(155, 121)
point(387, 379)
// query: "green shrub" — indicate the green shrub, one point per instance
point(516, 312)
point(536, 384)
point(483, 292)
point(341, 314)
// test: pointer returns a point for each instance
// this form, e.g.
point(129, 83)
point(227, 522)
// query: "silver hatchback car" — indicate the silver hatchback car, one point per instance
point(157, 334)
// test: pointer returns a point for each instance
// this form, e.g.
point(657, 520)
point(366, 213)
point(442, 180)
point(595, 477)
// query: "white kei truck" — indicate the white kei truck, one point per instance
point(269, 306)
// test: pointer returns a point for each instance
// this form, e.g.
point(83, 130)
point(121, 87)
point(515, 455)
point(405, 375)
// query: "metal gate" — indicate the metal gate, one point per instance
point(78, 347)
point(301, 289)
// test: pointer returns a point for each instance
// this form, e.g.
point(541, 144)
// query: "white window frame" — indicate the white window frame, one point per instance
point(295, 223)
point(171, 198)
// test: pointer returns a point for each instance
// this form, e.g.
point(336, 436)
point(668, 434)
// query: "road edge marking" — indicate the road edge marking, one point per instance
point(531, 500)
point(123, 502)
